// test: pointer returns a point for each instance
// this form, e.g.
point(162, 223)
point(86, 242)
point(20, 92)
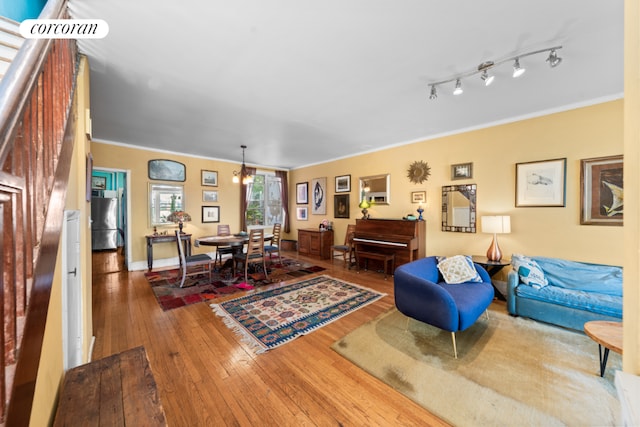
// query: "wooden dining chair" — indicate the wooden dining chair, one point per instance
point(274, 245)
point(223, 230)
point(347, 247)
point(255, 253)
point(192, 265)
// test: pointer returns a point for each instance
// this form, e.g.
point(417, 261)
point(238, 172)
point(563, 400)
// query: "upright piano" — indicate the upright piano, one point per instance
point(403, 238)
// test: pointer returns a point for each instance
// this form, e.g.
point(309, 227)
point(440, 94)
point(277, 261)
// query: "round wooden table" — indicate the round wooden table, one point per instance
point(235, 241)
point(608, 335)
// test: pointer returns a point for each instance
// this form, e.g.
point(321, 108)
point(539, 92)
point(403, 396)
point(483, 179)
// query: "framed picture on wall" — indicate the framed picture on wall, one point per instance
point(302, 193)
point(541, 183)
point(462, 171)
point(418, 197)
point(210, 178)
point(302, 213)
point(98, 183)
point(209, 196)
point(341, 206)
point(167, 170)
point(89, 179)
point(343, 184)
point(319, 196)
point(210, 214)
point(601, 191)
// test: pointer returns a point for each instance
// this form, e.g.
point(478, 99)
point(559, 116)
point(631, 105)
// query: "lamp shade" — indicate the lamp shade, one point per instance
point(364, 204)
point(497, 224)
point(179, 216)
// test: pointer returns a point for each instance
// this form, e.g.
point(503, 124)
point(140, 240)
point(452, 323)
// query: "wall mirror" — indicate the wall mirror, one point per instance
point(164, 199)
point(459, 208)
point(376, 188)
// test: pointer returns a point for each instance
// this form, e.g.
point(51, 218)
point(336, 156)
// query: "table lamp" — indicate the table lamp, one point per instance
point(179, 217)
point(498, 224)
point(364, 204)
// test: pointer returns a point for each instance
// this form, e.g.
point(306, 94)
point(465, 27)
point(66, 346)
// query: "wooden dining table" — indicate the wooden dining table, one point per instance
point(236, 241)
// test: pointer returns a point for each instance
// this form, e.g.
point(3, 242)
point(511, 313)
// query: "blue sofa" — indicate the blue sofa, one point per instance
point(576, 293)
point(422, 294)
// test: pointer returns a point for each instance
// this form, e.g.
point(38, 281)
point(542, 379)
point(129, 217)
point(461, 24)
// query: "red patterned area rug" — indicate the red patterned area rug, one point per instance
point(269, 318)
point(166, 283)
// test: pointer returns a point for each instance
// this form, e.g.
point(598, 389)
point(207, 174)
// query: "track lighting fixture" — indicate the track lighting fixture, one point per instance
point(458, 90)
point(554, 59)
point(483, 69)
point(517, 69)
point(433, 94)
point(486, 78)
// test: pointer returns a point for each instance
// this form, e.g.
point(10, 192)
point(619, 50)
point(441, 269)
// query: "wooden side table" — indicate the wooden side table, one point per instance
point(152, 239)
point(492, 267)
point(607, 334)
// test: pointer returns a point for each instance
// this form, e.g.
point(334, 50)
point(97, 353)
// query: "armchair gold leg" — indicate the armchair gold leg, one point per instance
point(453, 339)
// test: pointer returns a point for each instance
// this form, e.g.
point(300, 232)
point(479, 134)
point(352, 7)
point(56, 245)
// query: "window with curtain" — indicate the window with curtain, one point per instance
point(264, 200)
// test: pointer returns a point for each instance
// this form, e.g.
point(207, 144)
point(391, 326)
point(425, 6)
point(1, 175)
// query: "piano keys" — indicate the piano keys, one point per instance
point(403, 238)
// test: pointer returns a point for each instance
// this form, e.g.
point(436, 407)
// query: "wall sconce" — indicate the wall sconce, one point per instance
point(500, 224)
point(242, 175)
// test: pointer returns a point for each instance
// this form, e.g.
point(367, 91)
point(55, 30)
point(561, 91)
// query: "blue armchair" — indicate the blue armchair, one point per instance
point(422, 294)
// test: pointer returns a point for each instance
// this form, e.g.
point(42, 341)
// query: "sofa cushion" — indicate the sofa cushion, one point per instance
point(529, 271)
point(458, 269)
point(603, 279)
point(609, 305)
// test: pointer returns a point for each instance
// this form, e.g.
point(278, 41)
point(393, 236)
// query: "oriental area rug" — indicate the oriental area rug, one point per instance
point(510, 370)
point(270, 318)
point(166, 283)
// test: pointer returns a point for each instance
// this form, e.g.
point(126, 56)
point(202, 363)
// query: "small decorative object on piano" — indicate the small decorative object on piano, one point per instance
point(410, 217)
point(324, 224)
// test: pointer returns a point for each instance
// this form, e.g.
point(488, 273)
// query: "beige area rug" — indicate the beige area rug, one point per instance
point(510, 370)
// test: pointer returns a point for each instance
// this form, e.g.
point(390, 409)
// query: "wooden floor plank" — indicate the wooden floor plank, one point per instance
point(206, 376)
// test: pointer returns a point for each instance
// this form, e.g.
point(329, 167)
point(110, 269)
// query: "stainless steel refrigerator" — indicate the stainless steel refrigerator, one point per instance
point(104, 226)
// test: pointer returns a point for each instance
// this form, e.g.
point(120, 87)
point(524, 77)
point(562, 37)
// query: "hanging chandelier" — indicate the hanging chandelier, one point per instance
point(242, 175)
point(484, 70)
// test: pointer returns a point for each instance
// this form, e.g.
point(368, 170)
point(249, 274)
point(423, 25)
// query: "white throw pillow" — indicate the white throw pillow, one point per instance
point(529, 271)
point(458, 269)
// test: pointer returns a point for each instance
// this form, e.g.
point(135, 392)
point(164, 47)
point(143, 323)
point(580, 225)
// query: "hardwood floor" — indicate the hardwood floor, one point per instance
point(207, 377)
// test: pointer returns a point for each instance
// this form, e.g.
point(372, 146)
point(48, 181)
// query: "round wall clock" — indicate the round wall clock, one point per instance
point(418, 172)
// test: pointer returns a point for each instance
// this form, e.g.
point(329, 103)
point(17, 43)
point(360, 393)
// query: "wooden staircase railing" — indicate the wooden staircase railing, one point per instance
point(36, 144)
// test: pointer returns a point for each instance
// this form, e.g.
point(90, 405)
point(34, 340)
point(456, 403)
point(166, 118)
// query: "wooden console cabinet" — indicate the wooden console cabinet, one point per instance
point(313, 242)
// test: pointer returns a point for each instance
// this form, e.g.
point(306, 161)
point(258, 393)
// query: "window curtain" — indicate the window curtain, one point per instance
point(243, 200)
point(284, 189)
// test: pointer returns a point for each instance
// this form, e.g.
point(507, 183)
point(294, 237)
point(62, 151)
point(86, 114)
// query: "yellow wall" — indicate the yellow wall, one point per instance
point(577, 134)
point(136, 161)
point(50, 371)
point(631, 314)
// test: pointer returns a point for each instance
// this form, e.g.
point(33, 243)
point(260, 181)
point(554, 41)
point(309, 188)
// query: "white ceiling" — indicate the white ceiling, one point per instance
point(303, 82)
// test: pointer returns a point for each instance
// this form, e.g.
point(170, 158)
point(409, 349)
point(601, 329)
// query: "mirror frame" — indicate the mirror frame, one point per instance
point(387, 183)
point(155, 191)
point(470, 192)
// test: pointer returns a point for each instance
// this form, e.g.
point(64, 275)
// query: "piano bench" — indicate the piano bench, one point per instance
point(385, 258)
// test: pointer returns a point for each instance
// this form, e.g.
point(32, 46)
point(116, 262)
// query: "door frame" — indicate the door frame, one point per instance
point(128, 260)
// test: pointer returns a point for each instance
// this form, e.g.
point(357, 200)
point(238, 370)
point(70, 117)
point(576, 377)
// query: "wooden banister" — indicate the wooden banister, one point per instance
point(36, 145)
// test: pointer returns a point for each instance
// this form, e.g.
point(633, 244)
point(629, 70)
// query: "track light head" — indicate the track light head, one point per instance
point(553, 59)
point(486, 78)
point(517, 69)
point(433, 94)
point(458, 89)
